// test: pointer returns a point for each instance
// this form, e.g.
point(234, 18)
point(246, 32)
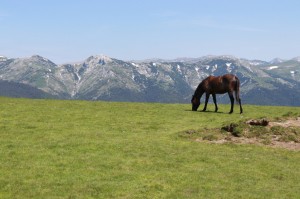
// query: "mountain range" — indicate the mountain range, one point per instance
point(100, 77)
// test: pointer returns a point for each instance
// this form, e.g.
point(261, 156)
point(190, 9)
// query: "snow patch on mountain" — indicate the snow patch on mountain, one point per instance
point(135, 65)
point(178, 68)
point(272, 67)
point(198, 73)
point(229, 68)
point(215, 67)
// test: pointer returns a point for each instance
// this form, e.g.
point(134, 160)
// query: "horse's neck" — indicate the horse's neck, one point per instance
point(199, 92)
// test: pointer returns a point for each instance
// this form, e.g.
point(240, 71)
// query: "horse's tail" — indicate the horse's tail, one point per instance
point(237, 93)
point(237, 89)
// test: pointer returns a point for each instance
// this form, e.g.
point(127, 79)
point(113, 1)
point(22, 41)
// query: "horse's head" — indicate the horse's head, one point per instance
point(195, 103)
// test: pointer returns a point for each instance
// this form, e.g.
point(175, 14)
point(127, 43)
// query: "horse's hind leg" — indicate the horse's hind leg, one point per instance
point(231, 100)
point(215, 101)
point(237, 97)
point(241, 108)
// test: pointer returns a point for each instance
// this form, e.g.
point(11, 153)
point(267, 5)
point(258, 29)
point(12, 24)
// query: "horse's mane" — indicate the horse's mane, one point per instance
point(199, 90)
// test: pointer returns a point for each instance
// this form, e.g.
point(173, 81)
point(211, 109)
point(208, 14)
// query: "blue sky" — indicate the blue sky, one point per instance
point(69, 31)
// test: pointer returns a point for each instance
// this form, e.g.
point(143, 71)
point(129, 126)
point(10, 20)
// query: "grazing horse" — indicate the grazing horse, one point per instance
point(217, 85)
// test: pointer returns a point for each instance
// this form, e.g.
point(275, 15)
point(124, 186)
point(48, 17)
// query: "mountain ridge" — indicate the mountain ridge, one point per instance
point(100, 77)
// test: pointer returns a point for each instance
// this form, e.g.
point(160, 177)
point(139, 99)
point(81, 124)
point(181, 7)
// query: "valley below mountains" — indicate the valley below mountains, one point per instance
point(168, 81)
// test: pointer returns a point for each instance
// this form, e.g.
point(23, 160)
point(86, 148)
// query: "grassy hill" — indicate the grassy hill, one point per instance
point(80, 149)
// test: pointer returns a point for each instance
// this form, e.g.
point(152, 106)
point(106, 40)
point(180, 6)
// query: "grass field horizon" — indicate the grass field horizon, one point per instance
point(98, 149)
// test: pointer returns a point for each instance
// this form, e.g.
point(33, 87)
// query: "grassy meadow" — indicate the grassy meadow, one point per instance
point(81, 149)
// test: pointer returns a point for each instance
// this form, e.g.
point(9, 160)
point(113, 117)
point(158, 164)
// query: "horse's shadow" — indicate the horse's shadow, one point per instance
point(210, 112)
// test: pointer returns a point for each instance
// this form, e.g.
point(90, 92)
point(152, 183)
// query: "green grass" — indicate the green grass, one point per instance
point(79, 149)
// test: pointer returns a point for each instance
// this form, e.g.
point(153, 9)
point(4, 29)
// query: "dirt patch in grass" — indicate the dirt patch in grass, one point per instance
point(261, 142)
point(282, 133)
point(287, 123)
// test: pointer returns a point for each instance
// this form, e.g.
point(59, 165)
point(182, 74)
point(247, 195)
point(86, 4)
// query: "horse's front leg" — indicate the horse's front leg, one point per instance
point(215, 101)
point(206, 101)
point(231, 100)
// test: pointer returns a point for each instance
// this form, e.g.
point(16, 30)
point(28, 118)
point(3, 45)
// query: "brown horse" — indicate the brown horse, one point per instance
point(217, 85)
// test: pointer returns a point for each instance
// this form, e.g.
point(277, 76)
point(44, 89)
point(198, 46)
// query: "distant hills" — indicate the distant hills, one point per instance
point(169, 81)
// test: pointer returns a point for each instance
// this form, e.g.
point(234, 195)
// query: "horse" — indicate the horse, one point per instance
point(212, 85)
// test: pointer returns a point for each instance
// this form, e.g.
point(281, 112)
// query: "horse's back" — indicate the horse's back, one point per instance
point(221, 84)
point(226, 77)
point(229, 77)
